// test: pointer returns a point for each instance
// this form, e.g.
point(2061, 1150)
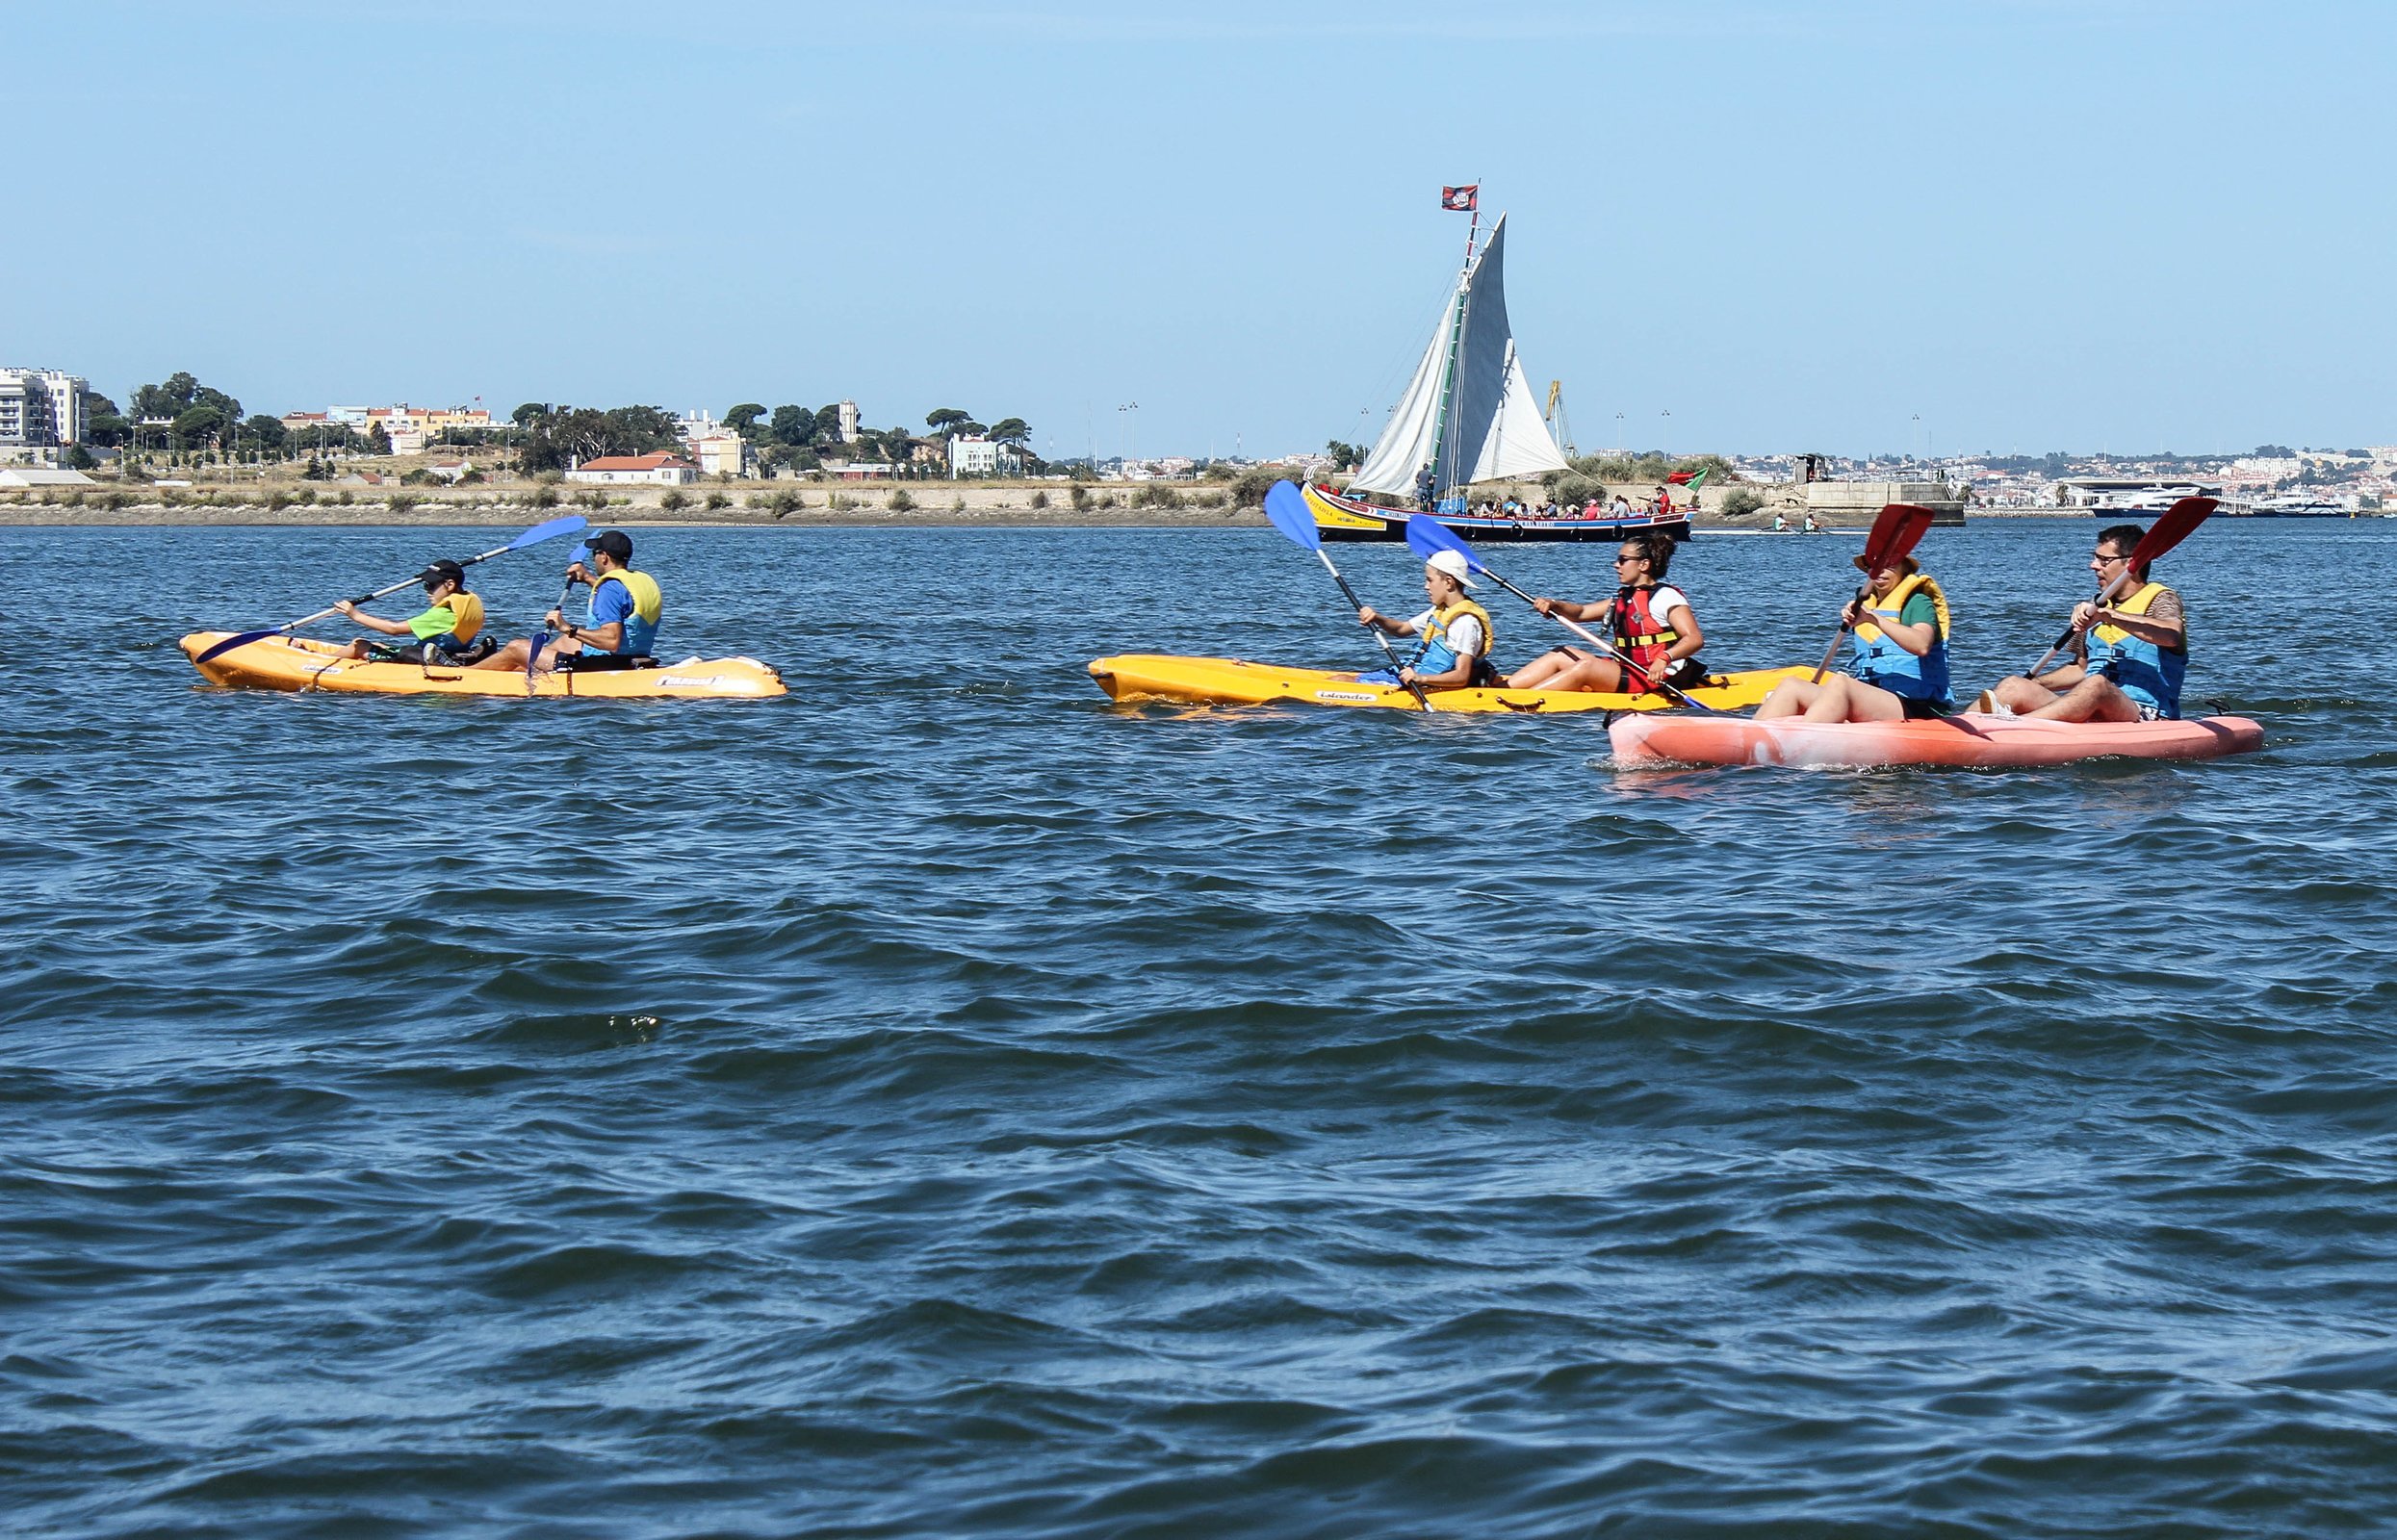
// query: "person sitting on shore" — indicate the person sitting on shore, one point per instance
point(2129, 653)
point(622, 618)
point(1900, 668)
point(444, 632)
point(1653, 624)
point(1454, 632)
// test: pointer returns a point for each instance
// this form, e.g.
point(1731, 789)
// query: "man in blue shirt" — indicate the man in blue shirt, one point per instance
point(623, 615)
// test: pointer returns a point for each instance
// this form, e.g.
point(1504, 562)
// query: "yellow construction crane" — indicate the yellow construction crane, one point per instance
point(1558, 427)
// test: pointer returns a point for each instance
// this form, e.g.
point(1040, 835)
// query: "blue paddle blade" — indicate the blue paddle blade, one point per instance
point(1428, 537)
point(1286, 505)
point(564, 524)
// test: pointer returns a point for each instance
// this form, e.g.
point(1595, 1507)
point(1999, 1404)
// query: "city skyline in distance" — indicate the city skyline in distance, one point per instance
point(1849, 228)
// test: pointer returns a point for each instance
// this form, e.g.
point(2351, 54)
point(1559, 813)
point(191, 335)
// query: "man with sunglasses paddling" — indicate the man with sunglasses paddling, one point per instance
point(2130, 648)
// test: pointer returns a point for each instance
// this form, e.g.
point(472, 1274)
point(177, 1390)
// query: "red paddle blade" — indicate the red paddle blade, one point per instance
point(1898, 531)
point(2172, 529)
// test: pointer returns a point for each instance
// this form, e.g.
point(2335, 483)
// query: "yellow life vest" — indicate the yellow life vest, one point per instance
point(467, 608)
point(1448, 615)
point(1895, 606)
point(2136, 604)
point(648, 604)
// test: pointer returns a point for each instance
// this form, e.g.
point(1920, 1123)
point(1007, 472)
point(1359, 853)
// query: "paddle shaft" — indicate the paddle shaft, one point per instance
point(532, 654)
point(1355, 602)
point(1837, 638)
point(246, 637)
point(2070, 631)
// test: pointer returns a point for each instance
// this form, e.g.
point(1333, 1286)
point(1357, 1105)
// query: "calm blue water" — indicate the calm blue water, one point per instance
point(941, 1102)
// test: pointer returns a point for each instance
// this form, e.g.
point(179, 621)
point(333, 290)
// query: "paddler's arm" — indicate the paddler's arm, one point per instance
point(601, 638)
point(1456, 678)
point(1369, 616)
point(1595, 610)
point(1915, 638)
point(374, 623)
point(2168, 632)
point(1688, 638)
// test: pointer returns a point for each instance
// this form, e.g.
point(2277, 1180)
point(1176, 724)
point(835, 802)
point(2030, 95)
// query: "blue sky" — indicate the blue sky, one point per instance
point(2124, 224)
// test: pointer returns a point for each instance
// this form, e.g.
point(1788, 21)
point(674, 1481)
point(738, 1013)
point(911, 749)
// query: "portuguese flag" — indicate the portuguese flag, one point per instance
point(1692, 479)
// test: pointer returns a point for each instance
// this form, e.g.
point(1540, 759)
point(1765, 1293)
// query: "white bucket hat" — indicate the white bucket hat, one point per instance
point(1453, 563)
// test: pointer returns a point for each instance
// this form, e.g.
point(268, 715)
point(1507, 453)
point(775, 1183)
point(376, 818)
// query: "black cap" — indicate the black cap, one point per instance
point(615, 542)
point(442, 572)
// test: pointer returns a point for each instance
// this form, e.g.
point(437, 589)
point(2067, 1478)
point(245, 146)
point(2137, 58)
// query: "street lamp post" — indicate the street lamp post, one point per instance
point(1665, 449)
point(1132, 428)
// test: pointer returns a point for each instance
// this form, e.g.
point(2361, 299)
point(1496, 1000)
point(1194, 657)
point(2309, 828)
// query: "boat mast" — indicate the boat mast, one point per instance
point(1443, 453)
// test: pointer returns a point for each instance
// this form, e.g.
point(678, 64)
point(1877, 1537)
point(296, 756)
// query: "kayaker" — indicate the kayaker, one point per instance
point(2128, 654)
point(621, 620)
point(1456, 632)
point(1652, 621)
point(1900, 668)
point(444, 632)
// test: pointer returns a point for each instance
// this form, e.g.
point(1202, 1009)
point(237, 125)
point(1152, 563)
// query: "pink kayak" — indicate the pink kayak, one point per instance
point(1971, 739)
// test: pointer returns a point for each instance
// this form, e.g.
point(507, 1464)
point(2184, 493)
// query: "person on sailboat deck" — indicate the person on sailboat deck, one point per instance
point(1653, 625)
point(1900, 670)
point(1622, 507)
point(1456, 632)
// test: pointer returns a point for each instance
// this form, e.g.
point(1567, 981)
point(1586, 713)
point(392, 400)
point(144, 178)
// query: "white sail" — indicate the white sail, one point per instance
point(1469, 412)
point(1405, 446)
point(1520, 443)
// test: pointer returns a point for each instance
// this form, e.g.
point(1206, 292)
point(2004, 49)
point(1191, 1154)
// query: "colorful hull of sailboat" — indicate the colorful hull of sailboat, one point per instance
point(1343, 518)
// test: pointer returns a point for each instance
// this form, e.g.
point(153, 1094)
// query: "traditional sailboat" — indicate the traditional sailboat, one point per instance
point(1468, 416)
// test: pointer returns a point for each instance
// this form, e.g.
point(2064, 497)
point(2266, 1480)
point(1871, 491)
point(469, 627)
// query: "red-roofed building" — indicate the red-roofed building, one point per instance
point(636, 469)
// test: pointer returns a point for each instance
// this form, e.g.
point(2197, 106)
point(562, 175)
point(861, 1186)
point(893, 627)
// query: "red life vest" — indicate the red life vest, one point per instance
point(1641, 635)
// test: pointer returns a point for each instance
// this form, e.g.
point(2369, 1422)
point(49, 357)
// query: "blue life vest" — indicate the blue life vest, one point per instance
point(1435, 655)
point(2140, 669)
point(640, 628)
point(1882, 662)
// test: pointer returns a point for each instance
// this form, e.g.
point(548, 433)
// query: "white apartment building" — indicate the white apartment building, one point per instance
point(41, 408)
point(981, 456)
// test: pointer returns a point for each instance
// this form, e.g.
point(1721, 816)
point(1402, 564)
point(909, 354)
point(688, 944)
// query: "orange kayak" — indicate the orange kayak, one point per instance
point(1970, 739)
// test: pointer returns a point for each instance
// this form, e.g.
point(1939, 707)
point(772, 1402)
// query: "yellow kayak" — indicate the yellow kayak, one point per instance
point(297, 663)
point(1229, 682)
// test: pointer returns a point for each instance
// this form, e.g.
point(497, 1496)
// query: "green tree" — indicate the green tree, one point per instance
point(1344, 457)
point(743, 420)
point(828, 424)
point(378, 442)
point(532, 412)
point(795, 425)
point(945, 420)
point(79, 458)
point(266, 433)
point(196, 425)
point(179, 394)
point(1012, 431)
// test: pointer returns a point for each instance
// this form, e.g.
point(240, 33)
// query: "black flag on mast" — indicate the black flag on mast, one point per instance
point(1462, 200)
